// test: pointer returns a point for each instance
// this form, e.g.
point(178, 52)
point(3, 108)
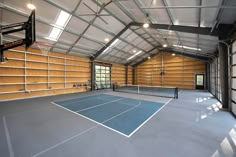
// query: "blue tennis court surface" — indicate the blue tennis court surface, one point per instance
point(123, 115)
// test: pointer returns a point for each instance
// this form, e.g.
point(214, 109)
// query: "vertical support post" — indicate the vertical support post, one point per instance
point(1, 37)
point(230, 74)
point(133, 76)
point(110, 76)
point(215, 66)
point(162, 69)
point(65, 72)
point(208, 76)
point(25, 73)
point(1, 51)
point(92, 76)
point(223, 57)
point(126, 74)
point(48, 59)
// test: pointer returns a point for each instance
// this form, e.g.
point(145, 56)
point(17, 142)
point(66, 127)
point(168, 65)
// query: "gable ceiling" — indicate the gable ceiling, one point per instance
point(86, 30)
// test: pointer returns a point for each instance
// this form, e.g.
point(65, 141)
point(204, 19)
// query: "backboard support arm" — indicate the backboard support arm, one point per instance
point(28, 27)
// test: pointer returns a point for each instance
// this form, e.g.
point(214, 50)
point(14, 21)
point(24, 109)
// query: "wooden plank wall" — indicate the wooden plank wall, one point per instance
point(118, 74)
point(179, 71)
point(34, 74)
point(130, 75)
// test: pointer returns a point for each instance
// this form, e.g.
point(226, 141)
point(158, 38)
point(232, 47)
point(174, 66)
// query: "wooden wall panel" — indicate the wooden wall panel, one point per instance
point(118, 74)
point(130, 75)
point(31, 73)
point(179, 71)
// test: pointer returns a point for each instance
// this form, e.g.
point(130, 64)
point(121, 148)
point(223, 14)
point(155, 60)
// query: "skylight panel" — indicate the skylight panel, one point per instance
point(63, 19)
point(55, 33)
point(60, 24)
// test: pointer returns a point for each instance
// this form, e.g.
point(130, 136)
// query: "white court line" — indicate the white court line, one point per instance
point(123, 102)
point(149, 118)
point(9, 144)
point(100, 105)
point(98, 124)
point(94, 95)
point(62, 142)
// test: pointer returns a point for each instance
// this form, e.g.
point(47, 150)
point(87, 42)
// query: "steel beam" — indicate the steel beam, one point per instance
point(176, 52)
point(95, 25)
point(113, 15)
point(185, 29)
point(145, 13)
point(85, 30)
point(148, 52)
point(199, 21)
point(218, 15)
point(191, 7)
point(110, 42)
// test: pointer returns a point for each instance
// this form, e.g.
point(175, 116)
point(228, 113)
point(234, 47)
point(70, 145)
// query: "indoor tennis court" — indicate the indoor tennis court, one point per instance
point(120, 78)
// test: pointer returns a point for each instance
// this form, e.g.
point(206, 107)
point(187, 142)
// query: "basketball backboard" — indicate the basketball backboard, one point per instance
point(30, 30)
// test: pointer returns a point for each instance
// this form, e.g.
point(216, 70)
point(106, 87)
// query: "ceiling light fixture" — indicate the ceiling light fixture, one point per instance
point(31, 6)
point(146, 21)
point(173, 54)
point(165, 45)
point(107, 39)
point(145, 25)
point(134, 51)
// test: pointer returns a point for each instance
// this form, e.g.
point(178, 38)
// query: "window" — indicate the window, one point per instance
point(102, 77)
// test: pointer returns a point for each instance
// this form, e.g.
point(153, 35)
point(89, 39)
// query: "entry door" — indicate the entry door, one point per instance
point(199, 81)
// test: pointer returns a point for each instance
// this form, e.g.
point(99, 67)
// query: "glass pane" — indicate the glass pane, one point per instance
point(200, 80)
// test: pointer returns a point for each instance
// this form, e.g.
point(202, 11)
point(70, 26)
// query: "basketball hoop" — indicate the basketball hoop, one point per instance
point(43, 46)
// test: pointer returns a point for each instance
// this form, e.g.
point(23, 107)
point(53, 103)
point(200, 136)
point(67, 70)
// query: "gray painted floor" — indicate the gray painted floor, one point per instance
point(192, 126)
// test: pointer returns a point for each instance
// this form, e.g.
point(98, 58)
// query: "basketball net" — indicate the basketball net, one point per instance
point(43, 46)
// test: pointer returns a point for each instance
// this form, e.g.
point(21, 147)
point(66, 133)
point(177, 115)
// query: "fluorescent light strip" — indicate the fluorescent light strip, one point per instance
point(191, 48)
point(135, 55)
point(112, 44)
point(186, 47)
point(178, 46)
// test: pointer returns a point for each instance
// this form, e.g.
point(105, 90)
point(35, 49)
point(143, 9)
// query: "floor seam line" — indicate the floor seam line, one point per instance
point(8, 138)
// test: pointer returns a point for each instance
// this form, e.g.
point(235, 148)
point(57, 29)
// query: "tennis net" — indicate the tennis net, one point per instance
point(162, 91)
